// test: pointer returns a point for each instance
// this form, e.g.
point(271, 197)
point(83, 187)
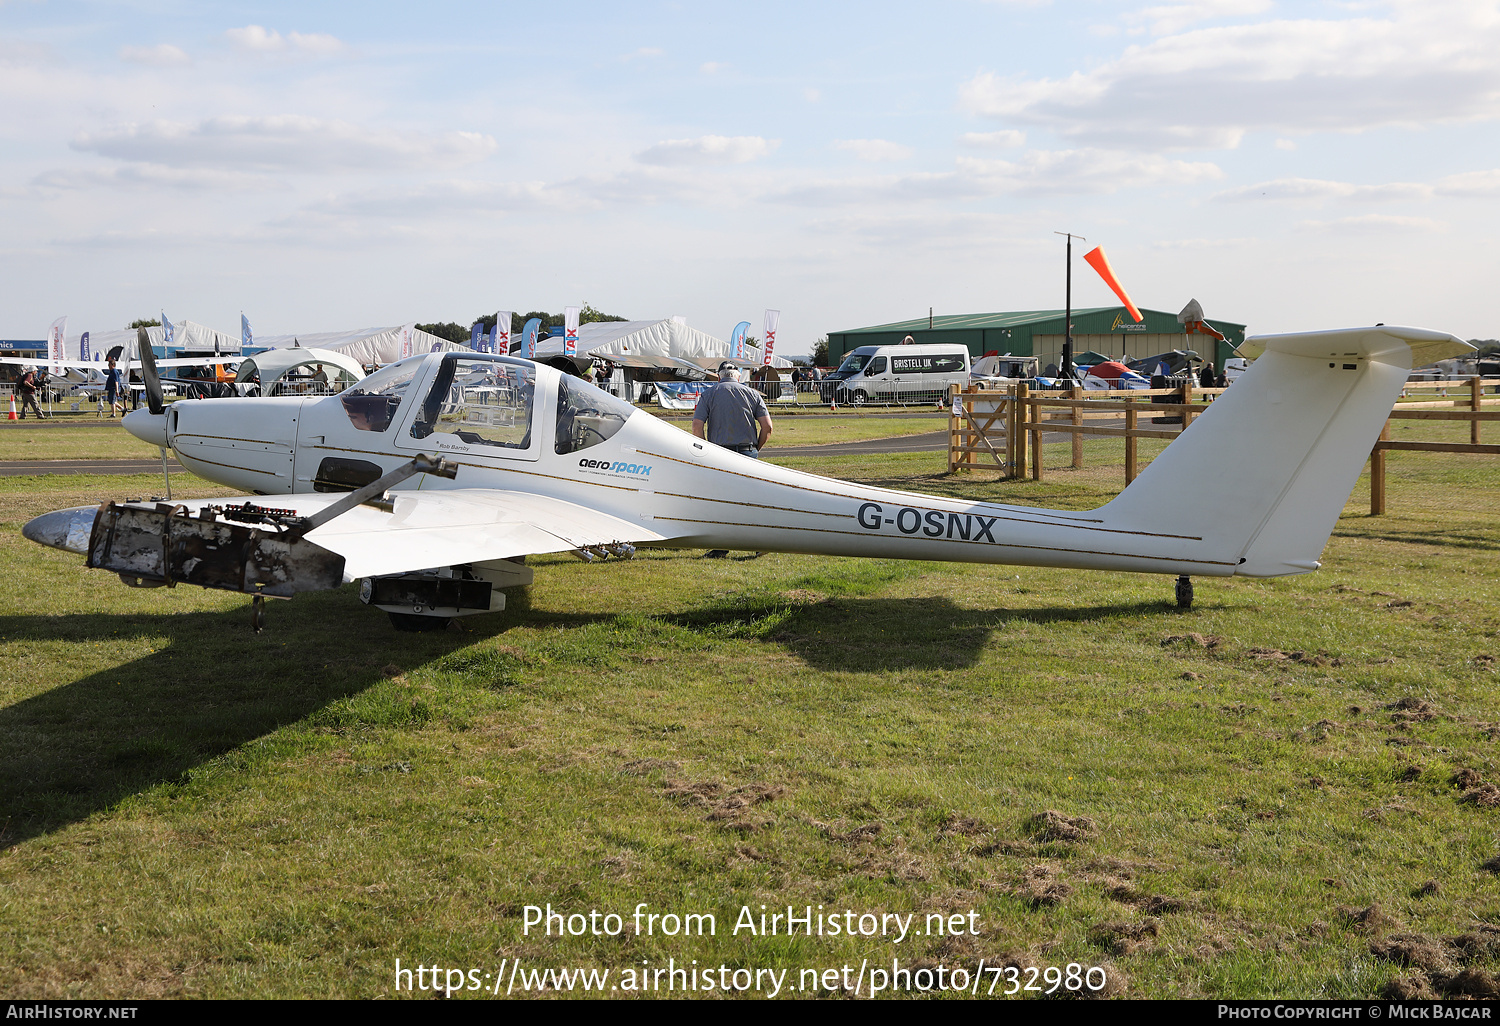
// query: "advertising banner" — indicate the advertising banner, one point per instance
point(570, 330)
point(500, 335)
point(528, 338)
point(737, 340)
point(773, 317)
point(55, 346)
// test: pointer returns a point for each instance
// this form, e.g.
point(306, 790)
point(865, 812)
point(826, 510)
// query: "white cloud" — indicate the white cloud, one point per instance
point(258, 40)
point(1093, 171)
point(1423, 63)
point(1169, 18)
point(1285, 144)
point(284, 143)
point(1007, 138)
point(155, 176)
point(645, 51)
point(1469, 183)
point(712, 67)
point(811, 95)
point(1203, 243)
point(873, 149)
point(1318, 190)
point(1373, 224)
point(1039, 172)
point(162, 55)
point(708, 149)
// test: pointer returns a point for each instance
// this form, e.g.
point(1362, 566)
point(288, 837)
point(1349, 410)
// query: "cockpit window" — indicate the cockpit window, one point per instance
point(586, 415)
point(372, 404)
point(482, 400)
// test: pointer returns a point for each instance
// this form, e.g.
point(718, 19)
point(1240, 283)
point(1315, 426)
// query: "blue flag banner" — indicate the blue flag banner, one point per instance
point(166, 327)
point(476, 332)
point(737, 340)
point(83, 347)
point(247, 337)
point(528, 338)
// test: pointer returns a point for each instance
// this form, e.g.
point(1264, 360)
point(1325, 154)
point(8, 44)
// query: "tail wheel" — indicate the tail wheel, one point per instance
point(1184, 592)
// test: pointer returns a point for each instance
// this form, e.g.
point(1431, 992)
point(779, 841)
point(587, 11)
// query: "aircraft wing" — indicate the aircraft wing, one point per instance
point(442, 527)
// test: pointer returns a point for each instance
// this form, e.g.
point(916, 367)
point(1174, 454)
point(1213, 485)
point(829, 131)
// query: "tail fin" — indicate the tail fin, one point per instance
point(1263, 474)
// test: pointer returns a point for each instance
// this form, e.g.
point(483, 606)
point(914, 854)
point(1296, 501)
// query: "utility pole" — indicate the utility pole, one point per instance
point(1066, 369)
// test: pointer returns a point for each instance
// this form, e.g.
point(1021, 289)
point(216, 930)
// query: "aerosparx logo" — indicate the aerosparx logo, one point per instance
point(617, 467)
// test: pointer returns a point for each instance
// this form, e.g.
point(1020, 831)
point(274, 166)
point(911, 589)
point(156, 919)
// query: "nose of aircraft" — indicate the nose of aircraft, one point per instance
point(147, 426)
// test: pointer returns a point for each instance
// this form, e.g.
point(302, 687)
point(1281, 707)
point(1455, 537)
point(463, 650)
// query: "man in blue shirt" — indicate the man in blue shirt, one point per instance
point(734, 416)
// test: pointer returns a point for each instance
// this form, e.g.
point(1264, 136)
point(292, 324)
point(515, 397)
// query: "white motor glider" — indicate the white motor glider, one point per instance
point(432, 479)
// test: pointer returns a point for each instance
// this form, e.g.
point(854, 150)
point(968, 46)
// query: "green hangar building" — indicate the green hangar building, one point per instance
point(1108, 330)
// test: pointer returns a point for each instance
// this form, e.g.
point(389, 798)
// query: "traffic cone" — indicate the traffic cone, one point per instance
point(12, 407)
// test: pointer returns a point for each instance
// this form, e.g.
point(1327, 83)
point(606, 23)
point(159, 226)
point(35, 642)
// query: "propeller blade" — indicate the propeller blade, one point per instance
point(149, 375)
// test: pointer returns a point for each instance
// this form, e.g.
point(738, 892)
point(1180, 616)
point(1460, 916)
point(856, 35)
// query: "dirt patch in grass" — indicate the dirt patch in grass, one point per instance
point(1040, 888)
point(1413, 950)
point(1124, 938)
point(1485, 796)
point(1192, 640)
point(730, 809)
point(1412, 710)
point(1055, 826)
point(1371, 920)
point(1466, 779)
point(963, 826)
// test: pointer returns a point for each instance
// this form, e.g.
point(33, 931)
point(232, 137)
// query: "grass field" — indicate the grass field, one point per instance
point(1289, 791)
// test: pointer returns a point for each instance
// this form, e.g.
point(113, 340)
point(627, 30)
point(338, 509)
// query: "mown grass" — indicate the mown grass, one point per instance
point(65, 442)
point(187, 808)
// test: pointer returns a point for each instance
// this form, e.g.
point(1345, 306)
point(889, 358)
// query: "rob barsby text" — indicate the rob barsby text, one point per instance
point(806, 921)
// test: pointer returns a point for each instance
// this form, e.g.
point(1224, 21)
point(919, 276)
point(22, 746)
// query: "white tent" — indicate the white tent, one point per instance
point(667, 343)
point(368, 346)
point(185, 335)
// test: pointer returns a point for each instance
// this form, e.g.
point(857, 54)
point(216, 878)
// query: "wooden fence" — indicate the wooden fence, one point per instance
point(1006, 426)
point(1021, 416)
point(1464, 407)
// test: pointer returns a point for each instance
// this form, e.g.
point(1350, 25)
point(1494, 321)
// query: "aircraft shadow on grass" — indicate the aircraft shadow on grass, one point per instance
point(81, 747)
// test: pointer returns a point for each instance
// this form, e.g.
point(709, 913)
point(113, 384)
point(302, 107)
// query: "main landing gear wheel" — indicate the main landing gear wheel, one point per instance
point(1184, 592)
point(416, 623)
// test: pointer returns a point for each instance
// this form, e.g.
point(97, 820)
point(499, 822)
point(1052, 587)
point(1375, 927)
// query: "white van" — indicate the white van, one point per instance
point(906, 373)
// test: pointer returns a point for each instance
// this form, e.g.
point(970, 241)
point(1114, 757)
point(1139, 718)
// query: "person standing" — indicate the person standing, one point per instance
point(111, 387)
point(1206, 377)
point(27, 387)
point(734, 416)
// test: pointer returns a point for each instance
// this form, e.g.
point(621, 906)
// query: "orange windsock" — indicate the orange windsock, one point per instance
point(1099, 262)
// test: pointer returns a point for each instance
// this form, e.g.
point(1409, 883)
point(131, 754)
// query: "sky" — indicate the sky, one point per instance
point(327, 166)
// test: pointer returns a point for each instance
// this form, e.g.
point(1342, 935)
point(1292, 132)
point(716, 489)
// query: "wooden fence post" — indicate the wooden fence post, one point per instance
point(1023, 392)
point(1187, 402)
point(1377, 473)
point(953, 430)
point(1130, 441)
point(1476, 390)
point(1076, 393)
point(1036, 439)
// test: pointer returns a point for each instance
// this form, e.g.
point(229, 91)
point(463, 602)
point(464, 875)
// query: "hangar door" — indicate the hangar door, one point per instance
point(1130, 345)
